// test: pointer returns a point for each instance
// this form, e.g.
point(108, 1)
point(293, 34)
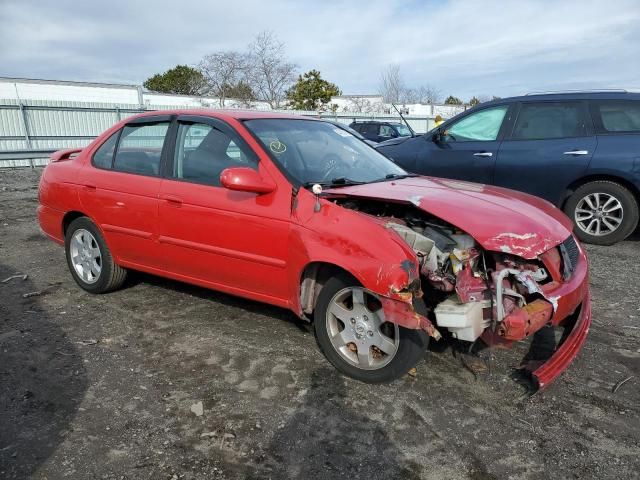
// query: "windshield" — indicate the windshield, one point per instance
point(313, 151)
point(403, 131)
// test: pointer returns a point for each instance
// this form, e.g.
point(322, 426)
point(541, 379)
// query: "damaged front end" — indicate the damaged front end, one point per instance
point(467, 292)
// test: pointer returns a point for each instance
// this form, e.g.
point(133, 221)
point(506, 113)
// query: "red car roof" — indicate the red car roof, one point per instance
point(211, 112)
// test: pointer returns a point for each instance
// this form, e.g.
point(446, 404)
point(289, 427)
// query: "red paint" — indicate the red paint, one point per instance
point(61, 155)
point(244, 179)
point(499, 219)
point(524, 321)
point(565, 354)
point(252, 238)
point(402, 313)
point(468, 287)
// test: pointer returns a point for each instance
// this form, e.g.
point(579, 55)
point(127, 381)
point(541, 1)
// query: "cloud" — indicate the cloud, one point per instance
point(462, 47)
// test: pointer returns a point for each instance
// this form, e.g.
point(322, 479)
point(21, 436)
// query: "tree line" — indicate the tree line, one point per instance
point(262, 72)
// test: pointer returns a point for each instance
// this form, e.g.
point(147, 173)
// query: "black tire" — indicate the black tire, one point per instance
point(111, 276)
point(411, 347)
point(613, 189)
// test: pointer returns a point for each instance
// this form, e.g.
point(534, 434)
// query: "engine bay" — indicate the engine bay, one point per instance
point(467, 290)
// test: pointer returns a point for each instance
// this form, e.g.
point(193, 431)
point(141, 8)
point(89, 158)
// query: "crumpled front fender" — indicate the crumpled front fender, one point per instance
point(400, 310)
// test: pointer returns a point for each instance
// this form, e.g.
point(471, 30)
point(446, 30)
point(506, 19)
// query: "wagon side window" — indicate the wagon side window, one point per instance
point(546, 120)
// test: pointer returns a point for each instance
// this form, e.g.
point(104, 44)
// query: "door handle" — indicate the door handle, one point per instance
point(577, 152)
point(89, 186)
point(172, 199)
point(483, 154)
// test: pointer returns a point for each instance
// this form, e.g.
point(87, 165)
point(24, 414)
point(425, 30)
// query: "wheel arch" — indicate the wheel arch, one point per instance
point(312, 279)
point(69, 217)
point(72, 215)
point(600, 177)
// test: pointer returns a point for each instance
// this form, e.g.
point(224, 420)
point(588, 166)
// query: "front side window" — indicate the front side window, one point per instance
point(538, 121)
point(403, 130)
point(482, 126)
point(387, 131)
point(619, 116)
point(313, 151)
point(203, 152)
point(103, 158)
point(140, 148)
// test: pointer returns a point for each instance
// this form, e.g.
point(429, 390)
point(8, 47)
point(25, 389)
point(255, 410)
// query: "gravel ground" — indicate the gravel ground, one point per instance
point(106, 386)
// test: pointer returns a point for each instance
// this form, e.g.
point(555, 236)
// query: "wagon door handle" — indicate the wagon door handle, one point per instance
point(172, 200)
point(577, 152)
point(483, 154)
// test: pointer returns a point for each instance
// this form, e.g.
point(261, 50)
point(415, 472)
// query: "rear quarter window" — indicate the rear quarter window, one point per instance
point(617, 116)
point(103, 158)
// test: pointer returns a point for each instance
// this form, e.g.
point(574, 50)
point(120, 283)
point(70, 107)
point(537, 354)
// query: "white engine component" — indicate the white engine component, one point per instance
point(463, 241)
point(463, 320)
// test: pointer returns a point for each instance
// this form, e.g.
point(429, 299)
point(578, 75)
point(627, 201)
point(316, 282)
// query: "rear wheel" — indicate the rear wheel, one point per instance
point(89, 259)
point(355, 337)
point(603, 212)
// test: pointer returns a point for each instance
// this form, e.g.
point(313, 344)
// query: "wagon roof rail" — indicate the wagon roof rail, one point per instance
point(595, 90)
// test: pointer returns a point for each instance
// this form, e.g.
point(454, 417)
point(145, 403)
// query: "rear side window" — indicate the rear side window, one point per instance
point(103, 157)
point(140, 148)
point(371, 130)
point(538, 121)
point(618, 116)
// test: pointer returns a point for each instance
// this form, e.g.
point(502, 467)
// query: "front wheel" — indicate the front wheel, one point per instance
point(603, 212)
point(355, 337)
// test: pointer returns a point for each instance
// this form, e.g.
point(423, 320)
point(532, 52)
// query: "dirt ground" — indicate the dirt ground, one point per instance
point(104, 386)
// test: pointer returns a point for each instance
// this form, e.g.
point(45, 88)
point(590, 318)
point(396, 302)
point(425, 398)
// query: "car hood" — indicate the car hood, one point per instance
point(499, 219)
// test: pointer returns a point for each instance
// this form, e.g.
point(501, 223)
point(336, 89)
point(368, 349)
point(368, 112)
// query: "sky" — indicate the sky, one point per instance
point(460, 47)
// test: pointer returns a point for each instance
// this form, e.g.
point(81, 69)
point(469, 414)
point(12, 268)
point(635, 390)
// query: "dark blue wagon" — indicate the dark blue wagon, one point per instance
point(579, 150)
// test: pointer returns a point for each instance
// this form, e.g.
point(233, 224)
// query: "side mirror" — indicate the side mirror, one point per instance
point(440, 136)
point(243, 179)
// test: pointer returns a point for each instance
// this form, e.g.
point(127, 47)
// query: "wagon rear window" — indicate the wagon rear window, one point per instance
point(617, 116)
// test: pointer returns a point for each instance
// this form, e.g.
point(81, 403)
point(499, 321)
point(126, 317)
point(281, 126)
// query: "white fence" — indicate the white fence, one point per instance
point(31, 130)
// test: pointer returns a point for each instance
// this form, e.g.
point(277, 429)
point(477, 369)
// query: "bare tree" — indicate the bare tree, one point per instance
point(358, 105)
point(270, 74)
point(429, 94)
point(223, 71)
point(410, 95)
point(363, 105)
point(391, 84)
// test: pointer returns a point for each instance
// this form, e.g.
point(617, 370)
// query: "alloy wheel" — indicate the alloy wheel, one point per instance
point(358, 330)
point(86, 257)
point(599, 214)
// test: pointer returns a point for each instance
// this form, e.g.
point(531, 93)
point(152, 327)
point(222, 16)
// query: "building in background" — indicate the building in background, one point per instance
point(38, 117)
point(63, 90)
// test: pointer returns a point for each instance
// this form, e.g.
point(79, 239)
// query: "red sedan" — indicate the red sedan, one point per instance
point(300, 213)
